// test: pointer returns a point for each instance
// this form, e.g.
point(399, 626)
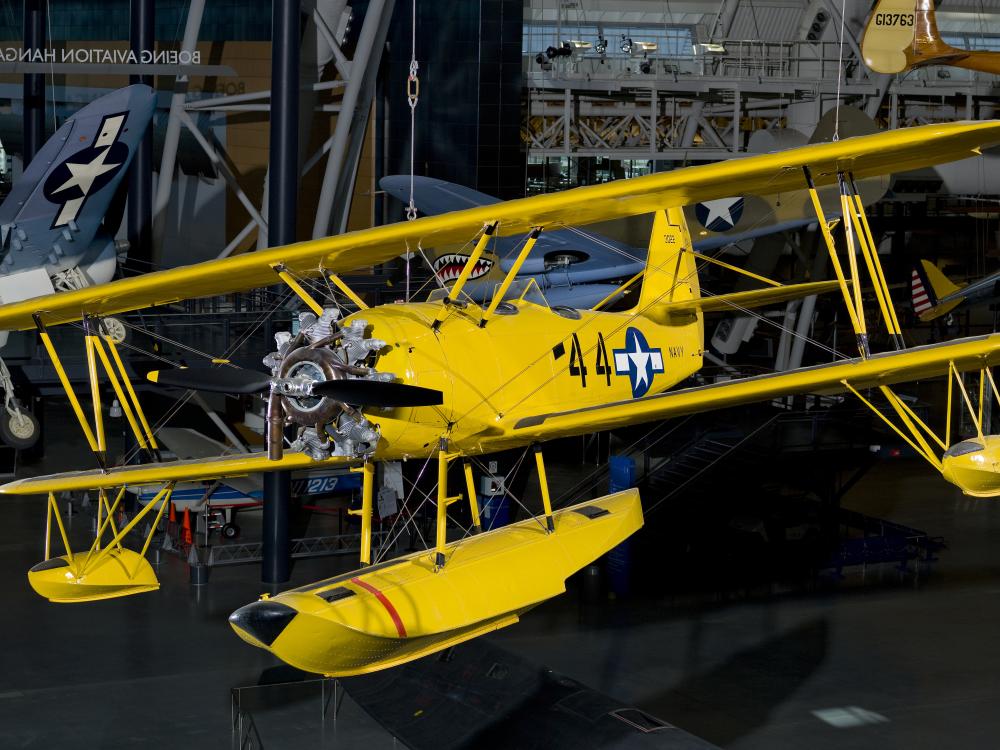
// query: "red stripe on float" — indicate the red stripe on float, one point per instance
point(396, 619)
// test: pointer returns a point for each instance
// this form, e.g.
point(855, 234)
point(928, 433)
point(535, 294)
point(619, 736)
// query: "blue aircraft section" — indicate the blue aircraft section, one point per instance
point(53, 217)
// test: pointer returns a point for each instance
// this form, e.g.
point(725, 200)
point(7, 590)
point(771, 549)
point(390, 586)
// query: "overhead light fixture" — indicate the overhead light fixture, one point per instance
point(646, 67)
point(602, 45)
point(646, 47)
point(626, 45)
point(564, 51)
point(709, 48)
point(578, 45)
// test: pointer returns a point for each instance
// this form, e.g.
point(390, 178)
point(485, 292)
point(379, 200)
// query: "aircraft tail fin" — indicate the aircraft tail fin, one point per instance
point(58, 205)
point(671, 274)
point(928, 286)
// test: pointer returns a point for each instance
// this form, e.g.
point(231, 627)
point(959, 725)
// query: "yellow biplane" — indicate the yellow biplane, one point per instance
point(448, 380)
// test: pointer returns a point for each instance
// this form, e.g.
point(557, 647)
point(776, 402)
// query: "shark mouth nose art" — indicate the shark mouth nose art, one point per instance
point(449, 266)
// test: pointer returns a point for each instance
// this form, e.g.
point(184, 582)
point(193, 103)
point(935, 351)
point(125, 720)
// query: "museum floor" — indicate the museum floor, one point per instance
point(877, 663)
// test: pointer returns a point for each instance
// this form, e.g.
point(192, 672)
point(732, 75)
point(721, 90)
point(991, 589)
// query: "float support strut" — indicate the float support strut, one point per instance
point(543, 484)
point(367, 496)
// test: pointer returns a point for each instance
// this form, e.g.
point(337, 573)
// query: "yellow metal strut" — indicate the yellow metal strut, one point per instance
point(456, 290)
point(367, 472)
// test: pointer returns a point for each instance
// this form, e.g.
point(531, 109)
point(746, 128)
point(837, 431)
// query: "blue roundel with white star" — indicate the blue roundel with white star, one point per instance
point(639, 361)
point(719, 215)
point(88, 170)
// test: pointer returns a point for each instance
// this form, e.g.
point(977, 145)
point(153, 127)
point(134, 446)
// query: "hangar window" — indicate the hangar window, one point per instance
point(985, 42)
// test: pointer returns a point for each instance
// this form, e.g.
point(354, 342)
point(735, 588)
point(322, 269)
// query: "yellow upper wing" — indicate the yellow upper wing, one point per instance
point(880, 369)
point(882, 153)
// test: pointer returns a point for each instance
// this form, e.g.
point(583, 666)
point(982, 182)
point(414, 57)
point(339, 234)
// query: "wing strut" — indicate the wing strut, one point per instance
point(97, 337)
point(509, 278)
point(456, 290)
point(867, 242)
point(853, 303)
point(133, 397)
point(443, 501)
point(74, 402)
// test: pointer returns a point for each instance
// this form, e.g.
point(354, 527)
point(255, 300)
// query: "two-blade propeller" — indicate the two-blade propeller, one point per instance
point(355, 392)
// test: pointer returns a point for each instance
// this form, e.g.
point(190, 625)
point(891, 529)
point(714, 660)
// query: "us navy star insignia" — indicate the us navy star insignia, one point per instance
point(639, 361)
point(720, 215)
point(88, 170)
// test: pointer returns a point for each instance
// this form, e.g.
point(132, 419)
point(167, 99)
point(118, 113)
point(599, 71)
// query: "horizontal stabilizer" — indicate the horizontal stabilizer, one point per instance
point(751, 299)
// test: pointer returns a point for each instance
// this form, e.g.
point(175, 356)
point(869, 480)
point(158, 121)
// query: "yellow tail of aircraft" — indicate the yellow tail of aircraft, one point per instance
point(903, 34)
point(671, 274)
point(928, 286)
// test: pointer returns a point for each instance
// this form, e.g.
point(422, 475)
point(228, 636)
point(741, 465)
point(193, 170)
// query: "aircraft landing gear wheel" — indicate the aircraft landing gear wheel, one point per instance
point(116, 329)
point(20, 432)
point(230, 531)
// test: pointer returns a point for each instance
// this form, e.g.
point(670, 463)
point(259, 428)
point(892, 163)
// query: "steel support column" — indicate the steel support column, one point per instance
point(339, 179)
point(283, 189)
point(34, 83)
point(276, 552)
point(140, 179)
point(192, 26)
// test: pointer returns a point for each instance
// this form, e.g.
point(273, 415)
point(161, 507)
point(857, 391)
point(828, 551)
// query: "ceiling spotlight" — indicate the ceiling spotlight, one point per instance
point(626, 45)
point(602, 45)
point(646, 67)
point(564, 51)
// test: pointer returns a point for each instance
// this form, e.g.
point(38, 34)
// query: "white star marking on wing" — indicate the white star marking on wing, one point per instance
point(85, 174)
point(721, 208)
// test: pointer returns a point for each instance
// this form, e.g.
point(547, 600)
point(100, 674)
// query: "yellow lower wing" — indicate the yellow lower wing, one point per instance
point(881, 369)
point(172, 471)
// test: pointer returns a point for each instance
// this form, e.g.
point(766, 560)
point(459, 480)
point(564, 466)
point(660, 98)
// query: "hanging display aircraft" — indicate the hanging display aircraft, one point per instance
point(58, 225)
point(901, 35)
point(448, 380)
point(934, 294)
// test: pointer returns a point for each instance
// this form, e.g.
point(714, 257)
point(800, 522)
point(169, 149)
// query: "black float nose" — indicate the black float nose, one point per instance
point(263, 620)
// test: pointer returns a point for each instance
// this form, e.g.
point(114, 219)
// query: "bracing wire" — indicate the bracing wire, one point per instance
point(412, 96)
point(840, 70)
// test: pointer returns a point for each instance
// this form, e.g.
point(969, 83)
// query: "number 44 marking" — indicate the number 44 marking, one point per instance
point(578, 366)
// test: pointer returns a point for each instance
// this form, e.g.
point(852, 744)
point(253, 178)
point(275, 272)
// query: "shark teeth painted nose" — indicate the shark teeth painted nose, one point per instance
point(263, 621)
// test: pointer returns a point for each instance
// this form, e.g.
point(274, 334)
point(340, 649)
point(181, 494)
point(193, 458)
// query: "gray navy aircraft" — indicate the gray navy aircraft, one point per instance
point(57, 226)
